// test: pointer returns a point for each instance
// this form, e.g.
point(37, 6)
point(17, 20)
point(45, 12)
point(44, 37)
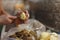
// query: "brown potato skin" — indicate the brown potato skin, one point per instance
point(18, 20)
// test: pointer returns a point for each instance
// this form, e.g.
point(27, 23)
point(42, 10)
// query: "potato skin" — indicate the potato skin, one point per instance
point(22, 17)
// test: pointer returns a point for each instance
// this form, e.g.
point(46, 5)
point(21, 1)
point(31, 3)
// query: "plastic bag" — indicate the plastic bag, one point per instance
point(17, 29)
point(32, 25)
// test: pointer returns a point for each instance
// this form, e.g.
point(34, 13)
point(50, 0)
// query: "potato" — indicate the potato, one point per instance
point(44, 36)
point(22, 16)
point(54, 36)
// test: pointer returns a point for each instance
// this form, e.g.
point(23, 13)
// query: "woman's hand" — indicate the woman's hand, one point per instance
point(6, 18)
point(19, 20)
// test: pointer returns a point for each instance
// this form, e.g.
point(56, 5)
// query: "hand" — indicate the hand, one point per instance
point(19, 21)
point(6, 18)
point(25, 12)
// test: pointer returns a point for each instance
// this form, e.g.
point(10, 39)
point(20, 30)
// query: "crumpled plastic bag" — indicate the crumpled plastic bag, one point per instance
point(32, 25)
point(17, 29)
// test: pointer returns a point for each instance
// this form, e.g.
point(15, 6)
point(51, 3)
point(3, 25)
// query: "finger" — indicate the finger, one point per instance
point(19, 12)
point(9, 21)
point(27, 14)
point(12, 17)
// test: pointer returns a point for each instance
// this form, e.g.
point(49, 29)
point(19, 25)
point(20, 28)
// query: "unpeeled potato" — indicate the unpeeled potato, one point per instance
point(22, 15)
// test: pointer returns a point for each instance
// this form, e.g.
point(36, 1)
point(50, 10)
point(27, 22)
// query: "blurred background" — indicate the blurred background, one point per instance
point(47, 12)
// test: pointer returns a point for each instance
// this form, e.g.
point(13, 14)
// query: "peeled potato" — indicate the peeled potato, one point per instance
point(54, 36)
point(45, 36)
point(41, 39)
point(23, 16)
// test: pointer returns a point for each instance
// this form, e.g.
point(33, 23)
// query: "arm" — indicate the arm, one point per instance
point(5, 18)
point(2, 11)
point(0, 6)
